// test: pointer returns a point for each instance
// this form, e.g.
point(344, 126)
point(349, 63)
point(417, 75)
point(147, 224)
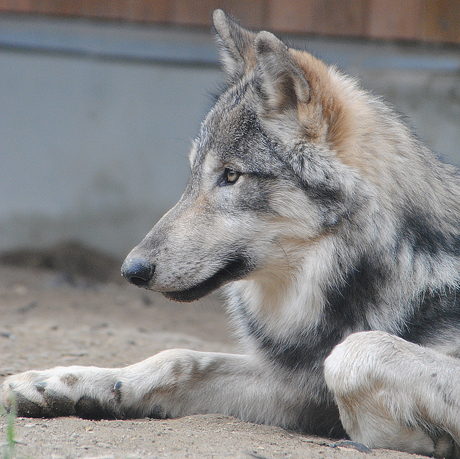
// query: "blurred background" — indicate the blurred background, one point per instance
point(99, 99)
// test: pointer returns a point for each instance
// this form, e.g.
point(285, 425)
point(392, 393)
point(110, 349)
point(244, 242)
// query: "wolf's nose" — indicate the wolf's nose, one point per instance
point(137, 271)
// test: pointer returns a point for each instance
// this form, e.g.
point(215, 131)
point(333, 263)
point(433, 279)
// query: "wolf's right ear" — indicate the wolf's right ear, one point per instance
point(236, 45)
point(292, 87)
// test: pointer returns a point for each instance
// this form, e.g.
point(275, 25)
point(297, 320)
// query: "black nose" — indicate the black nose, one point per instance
point(137, 271)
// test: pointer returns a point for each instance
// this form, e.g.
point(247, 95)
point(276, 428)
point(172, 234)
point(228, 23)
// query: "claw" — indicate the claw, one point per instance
point(117, 391)
point(351, 444)
point(117, 386)
point(40, 386)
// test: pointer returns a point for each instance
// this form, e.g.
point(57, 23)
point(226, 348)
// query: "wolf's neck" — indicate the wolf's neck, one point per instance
point(286, 297)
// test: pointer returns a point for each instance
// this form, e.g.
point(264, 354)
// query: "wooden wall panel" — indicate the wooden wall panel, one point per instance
point(251, 13)
point(342, 18)
point(293, 16)
point(193, 12)
point(426, 20)
point(115, 9)
point(395, 19)
point(331, 17)
point(150, 10)
point(441, 21)
point(134, 10)
point(57, 7)
point(20, 6)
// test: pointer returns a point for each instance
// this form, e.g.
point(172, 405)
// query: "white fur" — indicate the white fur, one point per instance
point(391, 393)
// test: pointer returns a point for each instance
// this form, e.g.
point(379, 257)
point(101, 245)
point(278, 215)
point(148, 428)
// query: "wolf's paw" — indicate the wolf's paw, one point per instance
point(33, 394)
point(59, 392)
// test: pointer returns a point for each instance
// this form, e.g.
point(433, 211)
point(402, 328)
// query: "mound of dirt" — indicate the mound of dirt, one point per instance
point(71, 258)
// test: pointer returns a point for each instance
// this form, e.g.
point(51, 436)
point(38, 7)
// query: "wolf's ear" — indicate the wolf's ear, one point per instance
point(288, 96)
point(236, 45)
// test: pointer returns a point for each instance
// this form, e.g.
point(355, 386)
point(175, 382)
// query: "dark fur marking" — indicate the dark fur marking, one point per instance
point(319, 180)
point(69, 380)
point(157, 412)
point(423, 237)
point(27, 408)
point(322, 419)
point(91, 408)
point(306, 351)
point(345, 310)
point(300, 351)
point(233, 270)
point(309, 351)
point(58, 405)
point(319, 417)
point(436, 312)
point(359, 292)
point(429, 321)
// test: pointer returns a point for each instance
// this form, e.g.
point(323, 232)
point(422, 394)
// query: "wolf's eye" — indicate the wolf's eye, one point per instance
point(229, 177)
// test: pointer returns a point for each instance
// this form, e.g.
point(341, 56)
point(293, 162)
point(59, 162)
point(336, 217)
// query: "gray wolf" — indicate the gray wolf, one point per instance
point(336, 234)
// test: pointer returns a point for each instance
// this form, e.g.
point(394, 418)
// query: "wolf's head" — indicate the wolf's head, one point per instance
point(267, 178)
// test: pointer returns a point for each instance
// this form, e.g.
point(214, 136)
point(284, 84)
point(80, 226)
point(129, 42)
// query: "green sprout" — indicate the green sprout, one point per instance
point(10, 418)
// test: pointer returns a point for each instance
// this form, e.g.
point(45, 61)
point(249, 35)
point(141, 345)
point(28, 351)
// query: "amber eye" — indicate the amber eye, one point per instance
point(229, 177)
point(232, 176)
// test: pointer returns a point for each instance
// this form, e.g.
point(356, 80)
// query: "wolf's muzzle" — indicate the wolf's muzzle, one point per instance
point(138, 271)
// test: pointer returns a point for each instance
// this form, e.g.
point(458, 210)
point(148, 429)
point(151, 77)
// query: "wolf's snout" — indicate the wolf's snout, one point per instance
point(138, 271)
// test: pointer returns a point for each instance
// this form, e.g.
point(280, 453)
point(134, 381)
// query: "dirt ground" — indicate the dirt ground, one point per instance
point(52, 315)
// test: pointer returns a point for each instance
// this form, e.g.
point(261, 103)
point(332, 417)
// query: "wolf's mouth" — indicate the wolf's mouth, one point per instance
point(234, 270)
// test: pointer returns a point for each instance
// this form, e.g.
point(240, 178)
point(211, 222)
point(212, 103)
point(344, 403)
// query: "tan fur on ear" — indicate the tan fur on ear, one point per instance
point(314, 116)
point(287, 96)
point(298, 91)
point(303, 96)
point(336, 111)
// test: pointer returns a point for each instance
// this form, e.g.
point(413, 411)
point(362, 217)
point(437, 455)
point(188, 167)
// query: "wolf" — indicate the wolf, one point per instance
point(336, 234)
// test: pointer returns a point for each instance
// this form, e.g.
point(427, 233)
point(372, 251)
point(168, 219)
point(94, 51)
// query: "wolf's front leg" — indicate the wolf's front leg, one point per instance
point(171, 384)
point(397, 395)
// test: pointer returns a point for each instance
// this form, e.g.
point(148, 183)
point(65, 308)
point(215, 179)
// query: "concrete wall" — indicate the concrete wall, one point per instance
point(96, 120)
point(93, 140)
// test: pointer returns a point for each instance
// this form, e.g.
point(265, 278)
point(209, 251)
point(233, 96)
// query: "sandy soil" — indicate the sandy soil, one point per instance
point(50, 316)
